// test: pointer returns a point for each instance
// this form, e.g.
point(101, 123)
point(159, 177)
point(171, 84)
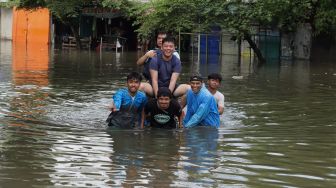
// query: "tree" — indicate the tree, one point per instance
point(323, 17)
point(199, 16)
point(239, 17)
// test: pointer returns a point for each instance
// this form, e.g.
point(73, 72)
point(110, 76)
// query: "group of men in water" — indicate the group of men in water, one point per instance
point(155, 102)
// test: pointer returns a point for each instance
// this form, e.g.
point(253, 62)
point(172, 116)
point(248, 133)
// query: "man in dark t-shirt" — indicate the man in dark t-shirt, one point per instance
point(164, 112)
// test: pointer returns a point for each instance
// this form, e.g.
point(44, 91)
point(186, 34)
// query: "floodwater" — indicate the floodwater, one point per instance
point(278, 129)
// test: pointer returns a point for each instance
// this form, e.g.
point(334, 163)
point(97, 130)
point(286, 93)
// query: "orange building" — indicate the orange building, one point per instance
point(31, 25)
point(30, 48)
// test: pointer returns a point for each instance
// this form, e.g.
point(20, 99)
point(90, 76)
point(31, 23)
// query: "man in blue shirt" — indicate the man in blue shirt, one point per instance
point(201, 106)
point(127, 104)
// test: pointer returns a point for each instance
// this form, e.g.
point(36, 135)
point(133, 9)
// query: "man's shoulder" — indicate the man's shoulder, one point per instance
point(154, 62)
point(152, 101)
point(141, 94)
point(151, 104)
point(157, 50)
point(176, 54)
point(122, 90)
point(174, 103)
point(206, 93)
point(189, 92)
point(154, 59)
point(219, 94)
point(176, 59)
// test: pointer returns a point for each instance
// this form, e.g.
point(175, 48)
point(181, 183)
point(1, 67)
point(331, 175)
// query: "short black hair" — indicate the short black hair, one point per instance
point(169, 39)
point(215, 76)
point(134, 76)
point(164, 92)
point(161, 33)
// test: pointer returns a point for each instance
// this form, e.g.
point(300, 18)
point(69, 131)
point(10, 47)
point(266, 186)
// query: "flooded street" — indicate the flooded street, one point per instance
point(278, 128)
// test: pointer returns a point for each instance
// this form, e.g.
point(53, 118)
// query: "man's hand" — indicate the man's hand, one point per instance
point(150, 53)
point(180, 126)
point(112, 108)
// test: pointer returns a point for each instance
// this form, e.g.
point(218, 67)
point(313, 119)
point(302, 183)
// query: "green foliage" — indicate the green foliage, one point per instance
point(325, 18)
point(9, 4)
point(236, 16)
point(128, 8)
point(67, 11)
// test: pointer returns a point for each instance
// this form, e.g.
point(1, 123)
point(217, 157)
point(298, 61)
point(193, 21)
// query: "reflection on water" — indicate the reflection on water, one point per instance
point(30, 64)
point(278, 129)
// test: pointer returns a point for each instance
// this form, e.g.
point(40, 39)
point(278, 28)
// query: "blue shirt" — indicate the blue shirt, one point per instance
point(201, 109)
point(165, 68)
point(123, 101)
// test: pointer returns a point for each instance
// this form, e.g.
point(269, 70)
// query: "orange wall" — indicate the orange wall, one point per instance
point(32, 26)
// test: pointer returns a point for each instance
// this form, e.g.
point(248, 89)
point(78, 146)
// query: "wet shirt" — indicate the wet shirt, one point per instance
point(163, 118)
point(201, 109)
point(129, 108)
point(165, 68)
point(145, 71)
point(219, 98)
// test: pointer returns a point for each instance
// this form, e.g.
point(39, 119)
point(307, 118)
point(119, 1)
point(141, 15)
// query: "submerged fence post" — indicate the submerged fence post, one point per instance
point(239, 51)
point(199, 48)
point(179, 43)
point(101, 44)
point(206, 48)
point(116, 45)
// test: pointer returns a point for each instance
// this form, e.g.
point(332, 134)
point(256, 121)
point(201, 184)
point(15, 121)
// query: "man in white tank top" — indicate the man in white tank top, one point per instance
point(214, 81)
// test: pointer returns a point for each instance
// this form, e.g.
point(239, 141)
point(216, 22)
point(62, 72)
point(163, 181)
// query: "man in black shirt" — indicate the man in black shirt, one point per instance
point(163, 111)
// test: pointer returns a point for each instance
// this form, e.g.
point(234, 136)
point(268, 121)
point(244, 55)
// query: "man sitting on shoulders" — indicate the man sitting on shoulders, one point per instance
point(165, 69)
point(201, 106)
point(145, 59)
point(163, 111)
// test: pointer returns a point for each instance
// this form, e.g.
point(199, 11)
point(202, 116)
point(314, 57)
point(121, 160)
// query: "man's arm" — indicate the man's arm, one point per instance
point(143, 111)
point(142, 59)
point(173, 80)
point(177, 112)
point(117, 98)
point(111, 107)
point(154, 76)
point(202, 111)
point(220, 110)
point(142, 118)
point(221, 104)
point(183, 101)
point(180, 118)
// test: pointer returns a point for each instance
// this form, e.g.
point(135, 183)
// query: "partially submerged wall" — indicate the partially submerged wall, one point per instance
point(6, 19)
point(31, 26)
point(303, 42)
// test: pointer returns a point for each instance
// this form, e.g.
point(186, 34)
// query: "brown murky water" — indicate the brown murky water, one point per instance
point(278, 130)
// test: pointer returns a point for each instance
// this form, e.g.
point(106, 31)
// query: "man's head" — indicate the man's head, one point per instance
point(164, 96)
point(168, 47)
point(133, 82)
point(196, 83)
point(214, 81)
point(159, 38)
